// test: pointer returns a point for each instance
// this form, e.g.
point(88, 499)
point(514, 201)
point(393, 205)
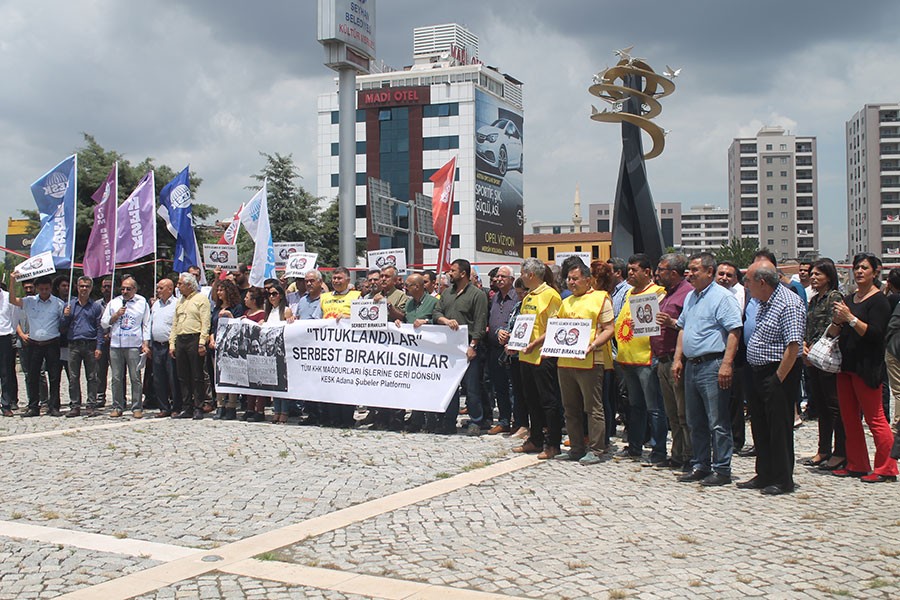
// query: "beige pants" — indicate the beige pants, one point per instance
point(673, 400)
point(893, 371)
point(582, 394)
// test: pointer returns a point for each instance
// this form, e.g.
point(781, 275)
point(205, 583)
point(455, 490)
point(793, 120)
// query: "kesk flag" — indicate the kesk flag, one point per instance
point(229, 236)
point(175, 204)
point(442, 210)
point(136, 224)
point(256, 215)
point(54, 194)
point(100, 255)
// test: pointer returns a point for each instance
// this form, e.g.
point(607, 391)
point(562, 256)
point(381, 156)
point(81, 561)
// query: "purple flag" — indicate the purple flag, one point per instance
point(136, 231)
point(99, 256)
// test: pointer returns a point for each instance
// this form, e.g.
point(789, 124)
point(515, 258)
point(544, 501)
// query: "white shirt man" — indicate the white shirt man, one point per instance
point(127, 317)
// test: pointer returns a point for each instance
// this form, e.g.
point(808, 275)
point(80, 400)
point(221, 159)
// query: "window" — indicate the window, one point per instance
point(784, 160)
point(595, 252)
point(427, 173)
point(769, 160)
point(784, 242)
point(556, 230)
point(784, 187)
point(577, 248)
point(784, 227)
point(444, 142)
point(551, 253)
point(770, 242)
point(784, 200)
point(441, 110)
point(768, 146)
point(770, 228)
point(768, 173)
point(360, 116)
point(770, 200)
point(361, 211)
point(783, 147)
point(784, 173)
point(360, 179)
point(770, 187)
point(336, 148)
point(534, 252)
point(770, 215)
point(784, 214)
point(454, 240)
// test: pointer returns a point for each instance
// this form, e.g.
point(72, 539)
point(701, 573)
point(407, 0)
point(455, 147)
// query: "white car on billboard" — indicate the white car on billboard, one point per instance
point(500, 146)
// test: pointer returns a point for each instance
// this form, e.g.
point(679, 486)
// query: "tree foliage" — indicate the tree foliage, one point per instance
point(739, 251)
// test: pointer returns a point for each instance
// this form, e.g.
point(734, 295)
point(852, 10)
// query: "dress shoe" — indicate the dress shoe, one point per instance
point(548, 453)
point(115, 413)
point(527, 448)
point(230, 414)
point(473, 429)
point(73, 412)
point(776, 490)
point(848, 473)
point(627, 453)
point(137, 414)
point(185, 414)
point(198, 415)
point(715, 479)
point(751, 451)
point(694, 476)
point(750, 484)
point(220, 414)
point(661, 463)
point(163, 414)
point(876, 478)
point(813, 462)
point(54, 412)
point(90, 413)
point(7, 412)
point(835, 467)
point(32, 412)
point(498, 429)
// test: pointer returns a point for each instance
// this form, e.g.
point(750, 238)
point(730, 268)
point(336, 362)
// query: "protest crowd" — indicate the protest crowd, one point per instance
point(681, 353)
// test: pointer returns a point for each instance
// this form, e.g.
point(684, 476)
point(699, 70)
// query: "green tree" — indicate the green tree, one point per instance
point(740, 251)
point(293, 212)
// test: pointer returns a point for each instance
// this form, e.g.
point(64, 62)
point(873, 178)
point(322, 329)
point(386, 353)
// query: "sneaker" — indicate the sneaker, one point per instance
point(571, 456)
point(473, 429)
point(591, 458)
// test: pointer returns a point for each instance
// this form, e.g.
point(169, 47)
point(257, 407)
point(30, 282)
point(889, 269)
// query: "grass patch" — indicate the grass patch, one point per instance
point(443, 475)
point(833, 591)
point(267, 556)
point(877, 583)
point(475, 465)
point(283, 454)
point(16, 515)
point(232, 452)
point(111, 446)
point(50, 515)
point(618, 594)
point(120, 535)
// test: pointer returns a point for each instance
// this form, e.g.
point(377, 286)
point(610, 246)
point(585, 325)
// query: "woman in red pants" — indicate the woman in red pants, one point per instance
point(861, 320)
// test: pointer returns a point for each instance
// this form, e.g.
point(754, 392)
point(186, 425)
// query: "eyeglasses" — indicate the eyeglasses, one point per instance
point(274, 293)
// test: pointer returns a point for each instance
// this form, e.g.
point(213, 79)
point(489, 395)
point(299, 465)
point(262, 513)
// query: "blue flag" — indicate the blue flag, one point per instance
point(175, 204)
point(54, 194)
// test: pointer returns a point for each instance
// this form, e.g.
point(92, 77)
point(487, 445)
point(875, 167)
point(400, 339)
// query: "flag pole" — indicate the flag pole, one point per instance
point(74, 227)
point(155, 239)
point(115, 229)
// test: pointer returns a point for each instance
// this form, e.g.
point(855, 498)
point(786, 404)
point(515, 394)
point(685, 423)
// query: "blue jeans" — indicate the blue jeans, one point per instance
point(472, 380)
point(644, 401)
point(708, 417)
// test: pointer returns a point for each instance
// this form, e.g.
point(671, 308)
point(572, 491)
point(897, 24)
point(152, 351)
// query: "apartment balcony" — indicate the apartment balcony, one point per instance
point(748, 148)
point(804, 202)
point(803, 148)
point(804, 188)
point(803, 161)
point(804, 174)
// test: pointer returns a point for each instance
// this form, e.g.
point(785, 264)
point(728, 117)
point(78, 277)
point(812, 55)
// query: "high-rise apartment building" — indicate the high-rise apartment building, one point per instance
point(772, 192)
point(411, 121)
point(704, 228)
point(873, 181)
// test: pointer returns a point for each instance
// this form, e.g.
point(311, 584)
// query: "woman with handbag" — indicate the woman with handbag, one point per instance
point(861, 320)
point(822, 384)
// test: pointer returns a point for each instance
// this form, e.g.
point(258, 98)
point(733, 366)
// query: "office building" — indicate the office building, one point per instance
point(600, 217)
point(411, 121)
point(772, 192)
point(704, 228)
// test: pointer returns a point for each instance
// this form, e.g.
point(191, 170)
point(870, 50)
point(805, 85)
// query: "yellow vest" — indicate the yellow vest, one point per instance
point(334, 305)
point(633, 350)
point(596, 306)
point(544, 302)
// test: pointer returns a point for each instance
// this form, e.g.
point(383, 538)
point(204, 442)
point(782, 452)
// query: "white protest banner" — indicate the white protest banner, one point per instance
point(40, 264)
point(223, 256)
point(327, 361)
point(368, 314)
point(568, 338)
point(644, 309)
point(299, 263)
point(584, 256)
point(393, 257)
point(284, 250)
point(521, 332)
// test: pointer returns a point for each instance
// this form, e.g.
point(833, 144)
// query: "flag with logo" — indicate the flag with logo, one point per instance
point(442, 210)
point(136, 223)
point(255, 218)
point(54, 194)
point(175, 204)
point(100, 255)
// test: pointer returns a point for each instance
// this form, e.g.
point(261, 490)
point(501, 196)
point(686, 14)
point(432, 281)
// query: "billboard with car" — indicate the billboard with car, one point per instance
point(499, 161)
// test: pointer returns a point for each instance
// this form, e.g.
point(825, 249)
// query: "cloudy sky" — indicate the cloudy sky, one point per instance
point(213, 82)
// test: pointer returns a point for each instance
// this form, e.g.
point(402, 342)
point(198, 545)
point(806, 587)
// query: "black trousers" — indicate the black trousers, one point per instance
point(9, 383)
point(822, 389)
point(772, 423)
point(544, 406)
point(520, 409)
point(37, 354)
point(190, 364)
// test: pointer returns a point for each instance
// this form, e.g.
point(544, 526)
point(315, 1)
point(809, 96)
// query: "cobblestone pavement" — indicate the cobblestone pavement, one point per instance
point(40, 570)
point(539, 530)
point(226, 585)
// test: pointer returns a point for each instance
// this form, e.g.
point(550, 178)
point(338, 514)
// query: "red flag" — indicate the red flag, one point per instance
point(229, 236)
point(442, 210)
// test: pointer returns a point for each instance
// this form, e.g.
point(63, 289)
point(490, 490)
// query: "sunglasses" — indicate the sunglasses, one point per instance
point(274, 293)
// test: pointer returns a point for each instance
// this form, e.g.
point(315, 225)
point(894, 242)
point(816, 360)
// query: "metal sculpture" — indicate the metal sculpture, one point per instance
point(632, 88)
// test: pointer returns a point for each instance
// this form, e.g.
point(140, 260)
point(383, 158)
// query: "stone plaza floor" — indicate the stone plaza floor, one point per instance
point(160, 508)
